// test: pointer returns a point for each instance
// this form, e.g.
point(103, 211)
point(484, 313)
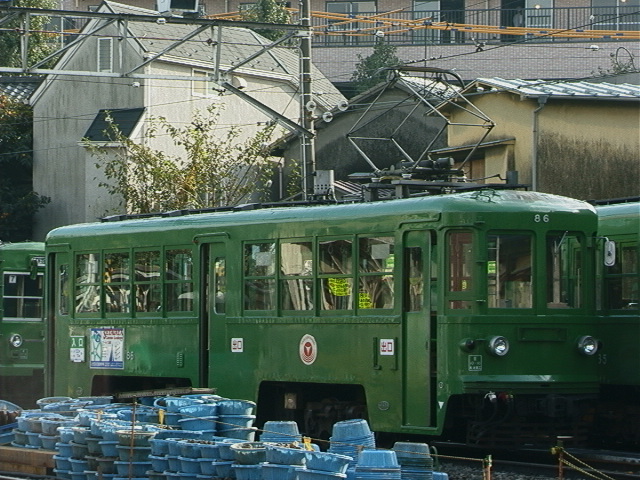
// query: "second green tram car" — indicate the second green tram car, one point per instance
point(21, 322)
point(619, 307)
point(461, 313)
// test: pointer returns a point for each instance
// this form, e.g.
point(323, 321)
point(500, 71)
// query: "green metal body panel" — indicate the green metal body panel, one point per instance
point(20, 310)
point(21, 322)
point(620, 322)
point(408, 364)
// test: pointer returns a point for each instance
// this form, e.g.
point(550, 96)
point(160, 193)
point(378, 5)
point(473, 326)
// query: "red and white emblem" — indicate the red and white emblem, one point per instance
point(308, 349)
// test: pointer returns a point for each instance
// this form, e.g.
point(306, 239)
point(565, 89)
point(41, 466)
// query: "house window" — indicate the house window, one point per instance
point(105, 54)
point(616, 14)
point(428, 11)
point(348, 9)
point(202, 85)
point(539, 13)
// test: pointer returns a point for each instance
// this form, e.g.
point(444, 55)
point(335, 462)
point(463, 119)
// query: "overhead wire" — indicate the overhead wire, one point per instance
point(516, 43)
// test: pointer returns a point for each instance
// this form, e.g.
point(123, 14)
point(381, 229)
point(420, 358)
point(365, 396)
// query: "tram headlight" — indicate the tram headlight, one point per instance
point(499, 346)
point(15, 340)
point(587, 345)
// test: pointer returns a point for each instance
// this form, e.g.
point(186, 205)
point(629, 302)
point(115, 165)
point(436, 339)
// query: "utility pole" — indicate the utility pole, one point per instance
point(307, 105)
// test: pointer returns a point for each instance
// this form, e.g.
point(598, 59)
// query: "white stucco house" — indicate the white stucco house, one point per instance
point(70, 106)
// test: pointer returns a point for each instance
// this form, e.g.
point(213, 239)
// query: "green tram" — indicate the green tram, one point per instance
point(619, 307)
point(463, 312)
point(21, 322)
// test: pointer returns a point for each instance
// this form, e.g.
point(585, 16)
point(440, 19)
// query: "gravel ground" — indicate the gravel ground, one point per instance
point(457, 472)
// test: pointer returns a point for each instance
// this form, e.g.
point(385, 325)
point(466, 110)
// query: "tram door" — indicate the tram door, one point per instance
point(58, 297)
point(213, 306)
point(418, 408)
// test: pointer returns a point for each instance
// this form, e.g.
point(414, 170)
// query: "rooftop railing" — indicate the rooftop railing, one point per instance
point(479, 26)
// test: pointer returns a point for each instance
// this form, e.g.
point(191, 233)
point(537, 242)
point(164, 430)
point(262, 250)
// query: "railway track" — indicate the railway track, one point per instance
point(574, 464)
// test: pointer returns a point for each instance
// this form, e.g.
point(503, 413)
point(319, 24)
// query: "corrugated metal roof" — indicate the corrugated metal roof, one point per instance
point(238, 44)
point(18, 88)
point(535, 88)
point(430, 87)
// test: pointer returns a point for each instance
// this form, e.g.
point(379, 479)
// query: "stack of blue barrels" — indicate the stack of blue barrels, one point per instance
point(280, 432)
point(415, 460)
point(349, 437)
point(377, 465)
point(283, 460)
point(324, 466)
point(283, 455)
point(236, 418)
point(133, 453)
point(210, 438)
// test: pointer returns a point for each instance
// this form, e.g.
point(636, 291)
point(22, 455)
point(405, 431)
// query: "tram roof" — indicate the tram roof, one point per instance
point(22, 246)
point(427, 208)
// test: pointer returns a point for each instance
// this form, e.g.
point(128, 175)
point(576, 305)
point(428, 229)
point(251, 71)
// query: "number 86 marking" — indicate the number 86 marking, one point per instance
point(541, 218)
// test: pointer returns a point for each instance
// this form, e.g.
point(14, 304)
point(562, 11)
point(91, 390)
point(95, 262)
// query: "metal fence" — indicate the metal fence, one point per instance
point(476, 26)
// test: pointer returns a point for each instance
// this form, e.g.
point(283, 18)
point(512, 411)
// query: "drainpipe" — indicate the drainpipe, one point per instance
point(542, 101)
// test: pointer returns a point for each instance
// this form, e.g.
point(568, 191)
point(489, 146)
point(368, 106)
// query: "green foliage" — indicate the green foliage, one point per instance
point(18, 203)
point(41, 42)
point(367, 72)
point(213, 172)
point(267, 11)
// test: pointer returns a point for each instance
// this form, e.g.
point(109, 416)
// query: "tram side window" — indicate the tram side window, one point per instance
point(460, 268)
point(564, 271)
point(376, 262)
point(179, 280)
point(22, 296)
point(259, 276)
point(414, 281)
point(88, 288)
point(296, 270)
point(147, 281)
point(220, 285)
point(621, 280)
point(509, 271)
point(117, 286)
point(63, 289)
point(336, 274)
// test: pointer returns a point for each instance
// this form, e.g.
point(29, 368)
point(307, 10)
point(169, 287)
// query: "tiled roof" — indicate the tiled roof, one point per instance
point(18, 88)
point(578, 90)
point(238, 44)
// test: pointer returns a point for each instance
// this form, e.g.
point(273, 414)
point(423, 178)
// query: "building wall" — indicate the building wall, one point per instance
point(65, 171)
point(589, 150)
point(391, 116)
point(62, 115)
point(585, 148)
point(560, 59)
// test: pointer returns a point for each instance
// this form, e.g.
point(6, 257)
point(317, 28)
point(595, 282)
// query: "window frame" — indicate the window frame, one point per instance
point(203, 88)
point(101, 58)
point(532, 266)
point(20, 296)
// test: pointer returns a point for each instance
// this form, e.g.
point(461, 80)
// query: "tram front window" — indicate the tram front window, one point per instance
point(564, 271)
point(509, 271)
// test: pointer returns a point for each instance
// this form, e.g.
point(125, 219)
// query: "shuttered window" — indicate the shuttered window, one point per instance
point(105, 54)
